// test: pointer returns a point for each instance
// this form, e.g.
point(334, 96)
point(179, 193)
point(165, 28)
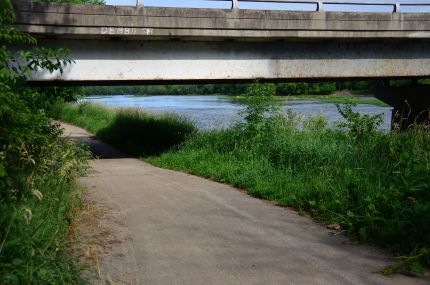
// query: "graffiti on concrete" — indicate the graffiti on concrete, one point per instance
point(126, 31)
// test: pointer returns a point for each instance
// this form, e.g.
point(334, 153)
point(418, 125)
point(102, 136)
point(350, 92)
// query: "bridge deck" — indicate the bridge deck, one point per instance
point(137, 23)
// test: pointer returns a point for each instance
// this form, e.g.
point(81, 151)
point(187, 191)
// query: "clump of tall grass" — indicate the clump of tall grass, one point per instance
point(132, 130)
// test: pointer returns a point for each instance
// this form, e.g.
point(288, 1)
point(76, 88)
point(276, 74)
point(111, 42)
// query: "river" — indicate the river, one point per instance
point(211, 112)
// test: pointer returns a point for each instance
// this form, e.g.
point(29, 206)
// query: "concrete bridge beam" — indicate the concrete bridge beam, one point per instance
point(107, 62)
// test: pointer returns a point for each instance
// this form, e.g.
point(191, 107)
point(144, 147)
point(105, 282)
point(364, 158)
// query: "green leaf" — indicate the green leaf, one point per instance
point(363, 232)
point(17, 262)
point(416, 267)
point(2, 170)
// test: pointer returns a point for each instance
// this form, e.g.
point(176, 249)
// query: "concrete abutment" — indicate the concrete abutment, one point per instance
point(411, 104)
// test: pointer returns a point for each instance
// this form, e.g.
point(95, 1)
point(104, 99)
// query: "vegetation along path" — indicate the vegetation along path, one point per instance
point(182, 229)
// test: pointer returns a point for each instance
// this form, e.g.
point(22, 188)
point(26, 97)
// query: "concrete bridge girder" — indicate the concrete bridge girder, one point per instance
point(120, 61)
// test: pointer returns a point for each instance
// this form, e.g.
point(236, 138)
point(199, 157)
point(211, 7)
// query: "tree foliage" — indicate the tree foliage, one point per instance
point(282, 89)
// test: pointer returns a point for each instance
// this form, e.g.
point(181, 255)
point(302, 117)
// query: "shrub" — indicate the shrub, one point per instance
point(359, 126)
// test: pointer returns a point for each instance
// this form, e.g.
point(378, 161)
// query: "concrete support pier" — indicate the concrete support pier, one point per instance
point(411, 104)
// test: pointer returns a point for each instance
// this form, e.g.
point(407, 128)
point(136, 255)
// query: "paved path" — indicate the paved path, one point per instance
point(182, 229)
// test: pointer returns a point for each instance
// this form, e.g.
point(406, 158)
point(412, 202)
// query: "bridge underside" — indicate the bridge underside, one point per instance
point(124, 62)
point(411, 104)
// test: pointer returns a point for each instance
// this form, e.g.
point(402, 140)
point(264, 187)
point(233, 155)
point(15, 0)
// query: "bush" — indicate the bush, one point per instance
point(359, 126)
point(38, 198)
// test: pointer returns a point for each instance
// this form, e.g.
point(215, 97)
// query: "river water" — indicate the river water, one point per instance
point(211, 112)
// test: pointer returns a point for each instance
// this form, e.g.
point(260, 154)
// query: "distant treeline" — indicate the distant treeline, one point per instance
point(285, 89)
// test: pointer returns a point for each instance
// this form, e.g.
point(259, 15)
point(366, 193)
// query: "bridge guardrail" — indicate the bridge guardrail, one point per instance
point(320, 4)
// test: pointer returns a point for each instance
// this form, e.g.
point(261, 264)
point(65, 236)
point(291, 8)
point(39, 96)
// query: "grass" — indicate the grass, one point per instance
point(39, 238)
point(334, 98)
point(340, 99)
point(375, 186)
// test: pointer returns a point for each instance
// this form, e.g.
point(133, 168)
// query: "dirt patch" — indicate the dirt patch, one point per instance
point(102, 244)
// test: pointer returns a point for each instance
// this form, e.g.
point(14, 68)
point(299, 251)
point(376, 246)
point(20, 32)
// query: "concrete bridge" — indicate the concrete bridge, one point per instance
point(117, 45)
point(146, 44)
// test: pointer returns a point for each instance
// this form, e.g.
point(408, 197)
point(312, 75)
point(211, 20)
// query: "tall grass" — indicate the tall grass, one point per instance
point(131, 130)
point(38, 237)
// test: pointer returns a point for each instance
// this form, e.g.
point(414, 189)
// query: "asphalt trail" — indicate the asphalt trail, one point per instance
point(175, 228)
